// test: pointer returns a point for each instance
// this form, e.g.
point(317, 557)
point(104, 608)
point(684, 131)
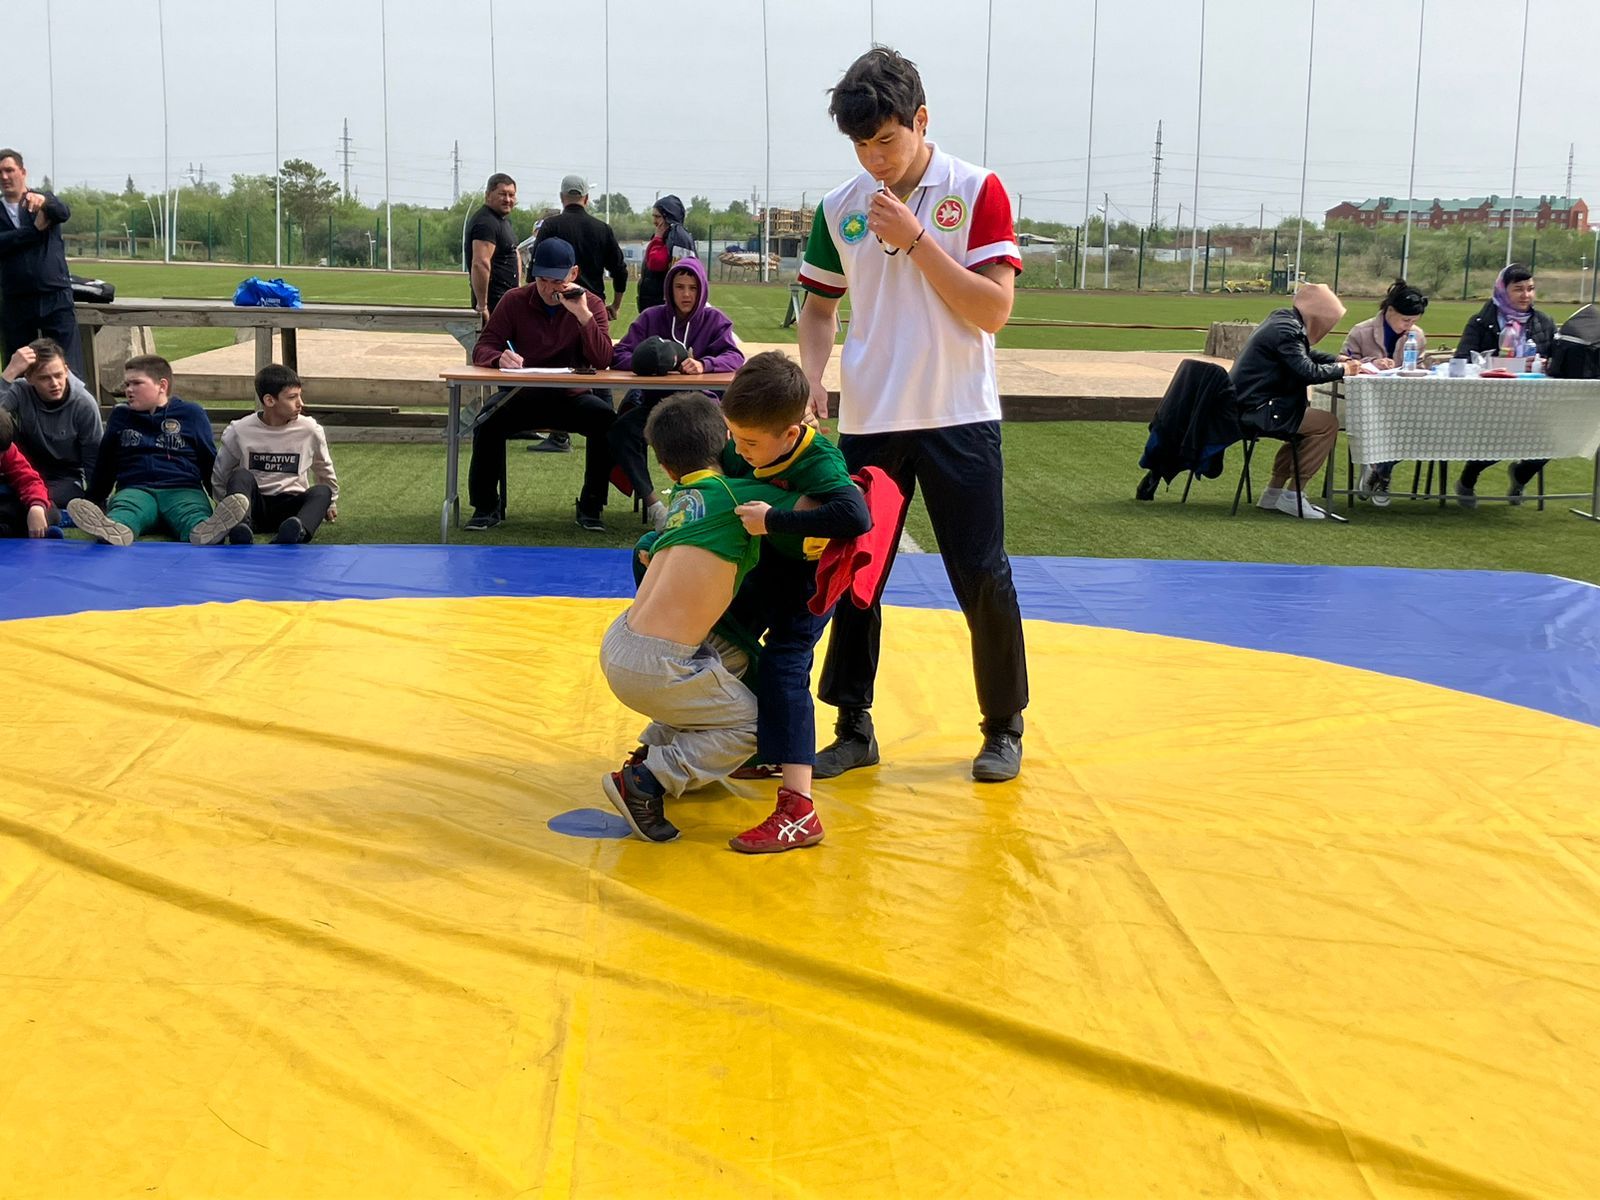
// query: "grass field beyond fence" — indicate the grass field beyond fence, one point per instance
point(757, 310)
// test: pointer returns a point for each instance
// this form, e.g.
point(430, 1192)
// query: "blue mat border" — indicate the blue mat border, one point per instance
point(1531, 640)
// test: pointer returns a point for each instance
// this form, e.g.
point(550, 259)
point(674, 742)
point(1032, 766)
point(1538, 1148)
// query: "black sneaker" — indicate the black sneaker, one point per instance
point(483, 518)
point(556, 443)
point(634, 793)
point(1147, 487)
point(1467, 494)
point(589, 521)
point(1514, 492)
point(241, 535)
point(1001, 756)
point(854, 745)
point(290, 533)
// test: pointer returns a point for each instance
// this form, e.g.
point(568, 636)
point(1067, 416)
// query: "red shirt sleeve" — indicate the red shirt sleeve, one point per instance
point(993, 238)
point(24, 480)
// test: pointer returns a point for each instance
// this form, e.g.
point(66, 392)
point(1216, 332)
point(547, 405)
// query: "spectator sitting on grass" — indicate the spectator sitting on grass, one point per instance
point(58, 421)
point(158, 454)
point(269, 458)
point(25, 508)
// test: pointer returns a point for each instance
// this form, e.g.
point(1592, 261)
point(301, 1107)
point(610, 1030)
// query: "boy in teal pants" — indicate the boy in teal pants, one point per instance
point(158, 453)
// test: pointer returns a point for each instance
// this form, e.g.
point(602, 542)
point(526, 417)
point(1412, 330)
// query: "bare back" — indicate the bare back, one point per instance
point(684, 593)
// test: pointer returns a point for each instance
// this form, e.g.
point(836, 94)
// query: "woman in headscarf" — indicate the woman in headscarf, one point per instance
point(1380, 340)
point(1510, 311)
point(1270, 378)
point(670, 243)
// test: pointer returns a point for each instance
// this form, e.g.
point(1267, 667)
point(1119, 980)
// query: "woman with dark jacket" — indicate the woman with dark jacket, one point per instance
point(1511, 308)
point(671, 242)
point(1270, 378)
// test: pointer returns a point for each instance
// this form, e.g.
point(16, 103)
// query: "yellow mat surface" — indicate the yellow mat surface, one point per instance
point(280, 915)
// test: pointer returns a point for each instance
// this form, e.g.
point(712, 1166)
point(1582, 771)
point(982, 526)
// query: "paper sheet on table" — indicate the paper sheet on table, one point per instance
point(537, 370)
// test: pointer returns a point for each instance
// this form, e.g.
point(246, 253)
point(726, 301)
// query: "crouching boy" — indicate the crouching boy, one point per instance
point(656, 656)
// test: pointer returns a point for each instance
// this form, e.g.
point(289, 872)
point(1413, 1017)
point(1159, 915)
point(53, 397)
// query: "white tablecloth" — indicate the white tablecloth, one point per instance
point(1390, 418)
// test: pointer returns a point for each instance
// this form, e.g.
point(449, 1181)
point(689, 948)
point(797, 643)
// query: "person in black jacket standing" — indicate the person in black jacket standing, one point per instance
point(1511, 311)
point(592, 241)
point(35, 288)
point(1270, 378)
point(671, 242)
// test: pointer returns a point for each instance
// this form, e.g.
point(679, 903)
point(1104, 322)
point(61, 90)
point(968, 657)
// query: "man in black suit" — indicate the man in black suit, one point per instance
point(35, 288)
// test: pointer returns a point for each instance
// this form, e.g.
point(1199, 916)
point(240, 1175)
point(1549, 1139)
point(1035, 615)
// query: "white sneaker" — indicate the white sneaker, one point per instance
point(1364, 483)
point(1269, 497)
point(1380, 491)
point(91, 518)
point(1295, 505)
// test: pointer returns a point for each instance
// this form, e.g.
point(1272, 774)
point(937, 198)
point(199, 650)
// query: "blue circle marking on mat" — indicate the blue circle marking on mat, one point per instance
point(589, 823)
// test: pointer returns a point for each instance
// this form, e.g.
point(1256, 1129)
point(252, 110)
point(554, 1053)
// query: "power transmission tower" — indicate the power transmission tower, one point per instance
point(197, 177)
point(455, 173)
point(345, 156)
point(1155, 186)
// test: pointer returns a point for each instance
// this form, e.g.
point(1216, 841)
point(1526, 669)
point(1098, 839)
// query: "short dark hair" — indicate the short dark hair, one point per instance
point(45, 350)
point(152, 366)
point(274, 379)
point(498, 179)
point(687, 432)
point(879, 86)
point(8, 152)
point(8, 430)
point(1516, 273)
point(769, 392)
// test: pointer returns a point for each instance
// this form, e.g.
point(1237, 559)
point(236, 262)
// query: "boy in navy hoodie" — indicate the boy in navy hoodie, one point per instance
point(158, 452)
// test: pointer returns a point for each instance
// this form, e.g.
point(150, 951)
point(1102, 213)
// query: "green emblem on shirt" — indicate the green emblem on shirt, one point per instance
point(854, 227)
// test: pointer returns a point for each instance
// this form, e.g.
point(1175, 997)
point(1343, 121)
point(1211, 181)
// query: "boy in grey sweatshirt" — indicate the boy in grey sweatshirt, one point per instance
point(58, 420)
point(270, 457)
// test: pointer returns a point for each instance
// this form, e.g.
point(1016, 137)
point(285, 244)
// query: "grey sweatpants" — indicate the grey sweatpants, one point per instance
point(703, 720)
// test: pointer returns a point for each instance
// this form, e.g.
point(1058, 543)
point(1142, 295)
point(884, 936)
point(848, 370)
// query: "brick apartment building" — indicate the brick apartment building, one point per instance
point(1545, 212)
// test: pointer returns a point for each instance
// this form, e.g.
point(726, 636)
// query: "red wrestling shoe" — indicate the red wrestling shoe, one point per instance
point(793, 823)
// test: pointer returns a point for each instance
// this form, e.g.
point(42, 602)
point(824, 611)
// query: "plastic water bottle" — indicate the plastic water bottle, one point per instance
point(1408, 360)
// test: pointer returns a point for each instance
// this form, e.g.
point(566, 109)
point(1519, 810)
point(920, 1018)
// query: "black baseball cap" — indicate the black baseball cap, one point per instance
point(553, 258)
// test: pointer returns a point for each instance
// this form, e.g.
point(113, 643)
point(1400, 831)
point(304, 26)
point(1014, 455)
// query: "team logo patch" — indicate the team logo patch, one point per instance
point(854, 227)
point(170, 425)
point(686, 506)
point(950, 214)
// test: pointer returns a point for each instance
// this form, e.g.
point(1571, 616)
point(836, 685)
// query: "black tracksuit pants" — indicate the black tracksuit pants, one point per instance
point(267, 513)
point(43, 314)
point(542, 408)
point(961, 473)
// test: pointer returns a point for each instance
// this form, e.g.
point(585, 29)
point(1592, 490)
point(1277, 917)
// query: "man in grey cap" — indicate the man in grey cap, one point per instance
point(592, 241)
point(598, 254)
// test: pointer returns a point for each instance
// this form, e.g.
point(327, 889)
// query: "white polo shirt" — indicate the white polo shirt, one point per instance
point(909, 362)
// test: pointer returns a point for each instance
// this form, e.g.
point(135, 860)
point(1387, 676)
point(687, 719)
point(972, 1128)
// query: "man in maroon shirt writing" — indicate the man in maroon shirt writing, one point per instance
point(552, 322)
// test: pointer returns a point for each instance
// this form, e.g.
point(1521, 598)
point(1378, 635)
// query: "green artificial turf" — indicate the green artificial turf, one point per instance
point(1069, 491)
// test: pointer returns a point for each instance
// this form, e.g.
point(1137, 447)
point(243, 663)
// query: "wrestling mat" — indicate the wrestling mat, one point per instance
point(307, 888)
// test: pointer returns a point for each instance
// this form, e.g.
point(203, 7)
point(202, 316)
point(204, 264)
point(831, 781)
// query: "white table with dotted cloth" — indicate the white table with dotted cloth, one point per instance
point(1436, 418)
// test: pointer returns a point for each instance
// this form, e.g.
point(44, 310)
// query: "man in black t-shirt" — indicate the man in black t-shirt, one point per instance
point(489, 250)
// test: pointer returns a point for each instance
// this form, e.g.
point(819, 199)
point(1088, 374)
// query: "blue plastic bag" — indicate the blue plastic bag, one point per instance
point(266, 293)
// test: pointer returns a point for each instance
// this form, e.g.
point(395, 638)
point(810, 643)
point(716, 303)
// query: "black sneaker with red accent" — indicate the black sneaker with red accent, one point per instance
point(634, 793)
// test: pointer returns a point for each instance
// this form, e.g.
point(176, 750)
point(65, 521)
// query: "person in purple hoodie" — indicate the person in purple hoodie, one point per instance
point(705, 333)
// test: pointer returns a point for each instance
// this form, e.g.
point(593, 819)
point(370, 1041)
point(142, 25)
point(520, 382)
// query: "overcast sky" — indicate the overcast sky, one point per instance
point(687, 95)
